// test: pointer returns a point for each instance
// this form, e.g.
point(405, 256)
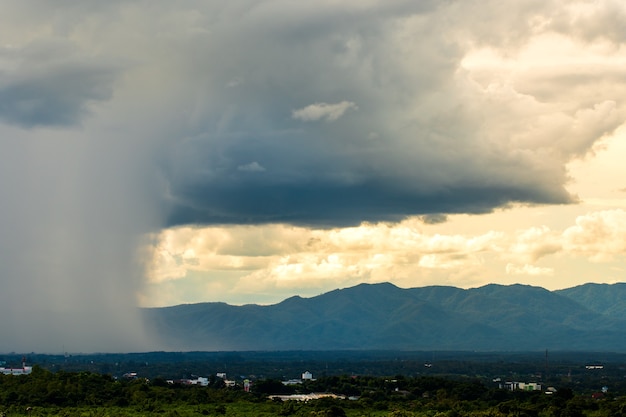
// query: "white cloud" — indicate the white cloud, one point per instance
point(251, 167)
point(535, 243)
point(527, 269)
point(314, 258)
point(409, 253)
point(318, 111)
point(601, 236)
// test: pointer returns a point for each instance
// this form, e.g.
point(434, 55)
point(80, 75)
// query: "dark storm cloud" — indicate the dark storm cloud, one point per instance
point(60, 99)
point(434, 218)
point(336, 205)
point(49, 85)
point(366, 114)
point(338, 180)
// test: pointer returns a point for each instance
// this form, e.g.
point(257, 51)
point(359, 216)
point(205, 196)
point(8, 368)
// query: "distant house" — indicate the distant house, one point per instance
point(293, 382)
point(227, 382)
point(305, 397)
point(199, 381)
point(306, 376)
point(24, 370)
point(523, 386)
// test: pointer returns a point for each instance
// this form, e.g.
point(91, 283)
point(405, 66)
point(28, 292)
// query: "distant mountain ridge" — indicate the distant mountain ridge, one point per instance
point(385, 317)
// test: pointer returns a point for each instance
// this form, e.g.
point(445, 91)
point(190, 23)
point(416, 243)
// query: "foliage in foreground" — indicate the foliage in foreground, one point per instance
point(85, 394)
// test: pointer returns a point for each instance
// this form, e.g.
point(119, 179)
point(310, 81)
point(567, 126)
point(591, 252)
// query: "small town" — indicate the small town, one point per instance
point(216, 393)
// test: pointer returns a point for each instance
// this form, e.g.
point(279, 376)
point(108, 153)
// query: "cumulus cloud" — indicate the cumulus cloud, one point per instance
point(597, 236)
point(599, 21)
point(527, 269)
point(535, 243)
point(601, 235)
point(318, 111)
point(407, 253)
point(296, 257)
point(453, 133)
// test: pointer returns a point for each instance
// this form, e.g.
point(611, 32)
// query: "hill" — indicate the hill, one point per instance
point(608, 300)
point(385, 317)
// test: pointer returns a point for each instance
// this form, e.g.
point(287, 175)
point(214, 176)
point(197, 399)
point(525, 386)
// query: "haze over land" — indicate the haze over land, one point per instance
point(158, 153)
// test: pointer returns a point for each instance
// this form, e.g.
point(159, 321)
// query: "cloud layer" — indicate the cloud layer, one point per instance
point(268, 263)
point(424, 109)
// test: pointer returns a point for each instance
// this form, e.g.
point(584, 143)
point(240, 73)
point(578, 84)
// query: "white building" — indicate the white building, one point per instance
point(24, 370)
point(523, 386)
point(307, 376)
point(200, 381)
point(305, 397)
point(293, 382)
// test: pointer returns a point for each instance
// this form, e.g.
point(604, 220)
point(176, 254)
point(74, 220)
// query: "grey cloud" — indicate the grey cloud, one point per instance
point(326, 111)
point(339, 179)
point(251, 167)
point(604, 21)
point(441, 146)
point(46, 88)
point(434, 218)
point(332, 204)
point(60, 99)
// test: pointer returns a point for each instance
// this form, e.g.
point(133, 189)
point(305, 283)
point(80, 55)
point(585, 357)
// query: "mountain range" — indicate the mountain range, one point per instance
point(589, 317)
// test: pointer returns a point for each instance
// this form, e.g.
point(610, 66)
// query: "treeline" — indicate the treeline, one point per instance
point(456, 397)
point(364, 396)
point(559, 369)
point(73, 389)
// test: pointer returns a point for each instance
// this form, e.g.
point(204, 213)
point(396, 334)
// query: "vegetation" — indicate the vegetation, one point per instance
point(552, 369)
point(86, 394)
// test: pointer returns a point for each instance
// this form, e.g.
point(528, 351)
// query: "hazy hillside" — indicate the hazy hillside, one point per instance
point(609, 300)
point(383, 316)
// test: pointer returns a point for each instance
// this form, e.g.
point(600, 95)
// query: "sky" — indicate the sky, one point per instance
point(156, 153)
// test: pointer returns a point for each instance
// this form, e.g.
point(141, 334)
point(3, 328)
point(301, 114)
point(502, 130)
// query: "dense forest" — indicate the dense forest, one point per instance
point(89, 394)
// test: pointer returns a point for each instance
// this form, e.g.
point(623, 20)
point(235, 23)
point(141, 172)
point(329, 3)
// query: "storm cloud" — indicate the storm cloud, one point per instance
point(368, 114)
point(45, 88)
point(120, 119)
